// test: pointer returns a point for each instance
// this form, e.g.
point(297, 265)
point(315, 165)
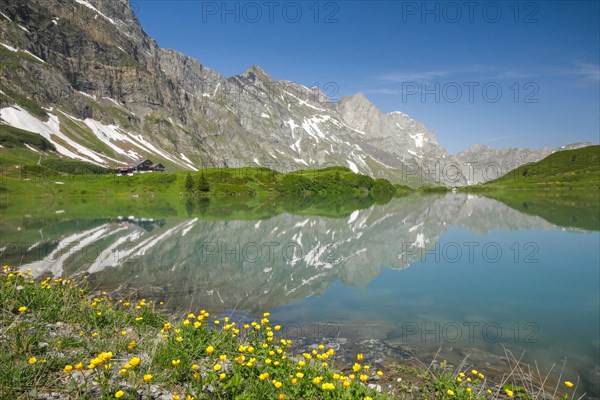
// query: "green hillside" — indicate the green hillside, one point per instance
point(568, 169)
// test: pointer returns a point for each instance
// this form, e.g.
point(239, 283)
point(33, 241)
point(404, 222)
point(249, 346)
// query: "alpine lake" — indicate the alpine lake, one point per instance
point(437, 276)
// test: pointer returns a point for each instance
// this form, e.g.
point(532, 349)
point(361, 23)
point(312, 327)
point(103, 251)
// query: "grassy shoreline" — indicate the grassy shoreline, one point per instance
point(60, 341)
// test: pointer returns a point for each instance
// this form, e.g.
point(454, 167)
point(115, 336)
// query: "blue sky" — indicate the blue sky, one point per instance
point(505, 74)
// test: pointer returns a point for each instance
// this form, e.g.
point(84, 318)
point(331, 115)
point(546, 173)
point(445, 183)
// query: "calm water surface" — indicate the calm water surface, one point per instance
point(457, 271)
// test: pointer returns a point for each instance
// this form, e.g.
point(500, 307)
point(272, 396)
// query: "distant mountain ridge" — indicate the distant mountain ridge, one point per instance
point(85, 76)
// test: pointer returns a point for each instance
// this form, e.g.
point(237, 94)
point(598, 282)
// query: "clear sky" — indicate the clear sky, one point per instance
point(504, 74)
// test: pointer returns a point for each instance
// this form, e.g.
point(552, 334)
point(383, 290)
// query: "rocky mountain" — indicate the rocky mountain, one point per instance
point(85, 75)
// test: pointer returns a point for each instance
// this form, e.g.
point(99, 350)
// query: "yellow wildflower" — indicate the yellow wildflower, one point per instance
point(120, 393)
point(32, 360)
point(68, 368)
point(569, 384)
point(22, 309)
point(135, 361)
point(450, 392)
point(147, 378)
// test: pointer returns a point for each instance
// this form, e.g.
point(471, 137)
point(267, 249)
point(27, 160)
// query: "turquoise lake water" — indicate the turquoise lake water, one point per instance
point(457, 271)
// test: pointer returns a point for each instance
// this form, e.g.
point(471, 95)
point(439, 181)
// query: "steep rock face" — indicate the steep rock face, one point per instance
point(399, 139)
point(110, 95)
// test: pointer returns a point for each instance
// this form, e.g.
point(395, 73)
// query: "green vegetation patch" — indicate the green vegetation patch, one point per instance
point(13, 97)
point(11, 137)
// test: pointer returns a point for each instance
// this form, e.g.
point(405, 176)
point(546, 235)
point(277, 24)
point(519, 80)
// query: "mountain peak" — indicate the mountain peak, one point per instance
point(359, 98)
point(255, 73)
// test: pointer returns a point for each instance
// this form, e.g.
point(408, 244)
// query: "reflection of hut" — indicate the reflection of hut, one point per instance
point(147, 224)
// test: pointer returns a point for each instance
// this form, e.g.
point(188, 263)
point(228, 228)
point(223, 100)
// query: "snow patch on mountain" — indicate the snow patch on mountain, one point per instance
point(20, 118)
point(353, 166)
point(91, 7)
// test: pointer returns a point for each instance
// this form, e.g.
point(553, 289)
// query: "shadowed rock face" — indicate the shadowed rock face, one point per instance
point(260, 264)
point(89, 62)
